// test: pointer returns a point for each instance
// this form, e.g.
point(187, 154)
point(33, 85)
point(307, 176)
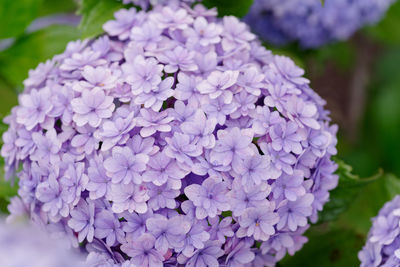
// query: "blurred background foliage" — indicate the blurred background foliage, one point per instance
point(359, 78)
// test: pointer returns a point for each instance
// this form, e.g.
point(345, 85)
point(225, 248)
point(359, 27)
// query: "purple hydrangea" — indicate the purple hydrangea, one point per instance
point(175, 138)
point(383, 242)
point(24, 245)
point(311, 22)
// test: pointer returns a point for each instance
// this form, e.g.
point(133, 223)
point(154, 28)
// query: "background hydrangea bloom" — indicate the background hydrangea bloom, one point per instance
point(383, 243)
point(310, 22)
point(196, 147)
point(23, 245)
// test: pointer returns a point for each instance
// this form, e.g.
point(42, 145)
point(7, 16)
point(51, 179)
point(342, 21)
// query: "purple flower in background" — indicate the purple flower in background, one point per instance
point(29, 245)
point(382, 246)
point(175, 138)
point(385, 229)
point(370, 255)
point(310, 22)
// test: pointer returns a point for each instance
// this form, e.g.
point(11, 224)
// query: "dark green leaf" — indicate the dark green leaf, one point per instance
point(369, 201)
point(15, 16)
point(61, 6)
point(237, 8)
point(343, 195)
point(32, 49)
point(327, 248)
point(6, 190)
point(8, 99)
point(95, 13)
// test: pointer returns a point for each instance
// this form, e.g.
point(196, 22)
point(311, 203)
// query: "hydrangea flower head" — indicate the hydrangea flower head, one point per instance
point(310, 22)
point(383, 243)
point(179, 140)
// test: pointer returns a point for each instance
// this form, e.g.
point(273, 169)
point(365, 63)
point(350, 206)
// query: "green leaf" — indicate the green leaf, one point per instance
point(30, 50)
point(337, 243)
point(15, 16)
point(6, 190)
point(8, 99)
point(237, 8)
point(327, 248)
point(95, 13)
point(368, 203)
point(61, 6)
point(344, 194)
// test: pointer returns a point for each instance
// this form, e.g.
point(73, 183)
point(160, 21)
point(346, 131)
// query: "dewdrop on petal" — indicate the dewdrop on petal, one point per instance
point(312, 23)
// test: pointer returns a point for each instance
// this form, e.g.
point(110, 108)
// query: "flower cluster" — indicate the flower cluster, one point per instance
point(146, 4)
point(310, 22)
point(24, 245)
point(383, 244)
point(174, 138)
